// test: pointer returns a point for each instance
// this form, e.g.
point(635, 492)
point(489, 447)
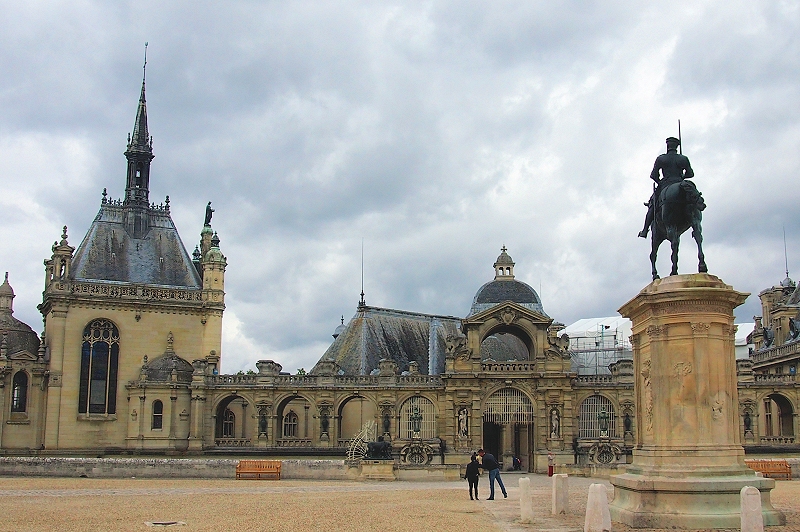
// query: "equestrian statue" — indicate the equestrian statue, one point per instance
point(675, 206)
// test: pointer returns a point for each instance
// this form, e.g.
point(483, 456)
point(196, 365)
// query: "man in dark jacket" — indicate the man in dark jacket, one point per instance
point(473, 471)
point(489, 463)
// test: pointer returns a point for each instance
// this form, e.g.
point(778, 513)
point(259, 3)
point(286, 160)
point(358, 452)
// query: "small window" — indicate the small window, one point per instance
point(228, 423)
point(290, 425)
point(19, 392)
point(158, 415)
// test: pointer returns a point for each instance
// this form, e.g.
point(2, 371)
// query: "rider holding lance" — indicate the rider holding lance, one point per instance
point(674, 168)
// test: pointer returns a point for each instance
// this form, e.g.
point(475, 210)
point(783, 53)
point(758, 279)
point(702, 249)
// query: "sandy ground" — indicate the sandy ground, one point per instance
point(29, 504)
point(32, 504)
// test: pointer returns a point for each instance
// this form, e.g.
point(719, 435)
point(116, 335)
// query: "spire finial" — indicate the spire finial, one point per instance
point(342, 314)
point(785, 254)
point(503, 249)
point(144, 67)
point(362, 303)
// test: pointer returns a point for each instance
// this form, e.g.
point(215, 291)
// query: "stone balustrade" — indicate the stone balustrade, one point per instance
point(775, 352)
point(779, 440)
point(294, 442)
point(508, 367)
point(233, 442)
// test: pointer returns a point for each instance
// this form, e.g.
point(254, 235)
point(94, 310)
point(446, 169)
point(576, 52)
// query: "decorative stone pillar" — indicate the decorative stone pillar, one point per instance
point(508, 447)
point(688, 464)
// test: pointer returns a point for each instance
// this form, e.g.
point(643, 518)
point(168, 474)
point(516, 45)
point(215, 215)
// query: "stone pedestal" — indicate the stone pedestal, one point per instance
point(377, 470)
point(688, 465)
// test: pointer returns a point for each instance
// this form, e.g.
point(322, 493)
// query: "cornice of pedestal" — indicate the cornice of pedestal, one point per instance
point(697, 292)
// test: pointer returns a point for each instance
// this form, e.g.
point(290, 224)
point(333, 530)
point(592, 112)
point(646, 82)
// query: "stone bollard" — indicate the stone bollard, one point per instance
point(560, 494)
point(525, 501)
point(598, 518)
point(752, 520)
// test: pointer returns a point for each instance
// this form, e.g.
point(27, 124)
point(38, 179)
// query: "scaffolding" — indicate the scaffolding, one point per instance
point(595, 343)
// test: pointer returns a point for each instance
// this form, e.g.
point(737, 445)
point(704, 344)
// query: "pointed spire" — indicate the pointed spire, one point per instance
point(141, 138)
point(139, 152)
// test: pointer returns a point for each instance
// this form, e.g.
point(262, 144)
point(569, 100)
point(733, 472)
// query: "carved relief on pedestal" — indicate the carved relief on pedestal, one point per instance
point(699, 328)
point(648, 395)
point(681, 369)
point(655, 331)
point(716, 411)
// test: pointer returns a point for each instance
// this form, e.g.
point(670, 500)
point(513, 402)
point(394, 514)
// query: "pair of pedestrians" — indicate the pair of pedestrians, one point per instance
point(488, 463)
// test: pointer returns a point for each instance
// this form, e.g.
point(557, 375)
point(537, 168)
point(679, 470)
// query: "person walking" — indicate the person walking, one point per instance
point(489, 463)
point(473, 471)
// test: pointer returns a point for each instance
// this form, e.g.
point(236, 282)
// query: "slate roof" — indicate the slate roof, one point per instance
point(501, 290)
point(160, 369)
point(109, 252)
point(377, 333)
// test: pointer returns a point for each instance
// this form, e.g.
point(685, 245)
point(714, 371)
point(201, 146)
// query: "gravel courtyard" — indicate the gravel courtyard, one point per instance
point(71, 504)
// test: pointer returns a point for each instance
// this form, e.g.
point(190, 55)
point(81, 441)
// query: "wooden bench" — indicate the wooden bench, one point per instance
point(258, 469)
point(777, 469)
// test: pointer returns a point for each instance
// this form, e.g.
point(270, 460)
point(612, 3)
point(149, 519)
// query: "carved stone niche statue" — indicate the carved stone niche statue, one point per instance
point(387, 422)
point(324, 422)
point(379, 450)
point(262, 421)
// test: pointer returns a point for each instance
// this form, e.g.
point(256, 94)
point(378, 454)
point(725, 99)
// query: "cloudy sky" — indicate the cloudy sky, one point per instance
point(435, 131)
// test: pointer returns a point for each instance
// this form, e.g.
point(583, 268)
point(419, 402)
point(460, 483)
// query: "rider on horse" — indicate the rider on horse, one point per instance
point(674, 168)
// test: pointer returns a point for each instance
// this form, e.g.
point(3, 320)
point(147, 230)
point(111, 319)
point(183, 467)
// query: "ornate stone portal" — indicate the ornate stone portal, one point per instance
point(688, 466)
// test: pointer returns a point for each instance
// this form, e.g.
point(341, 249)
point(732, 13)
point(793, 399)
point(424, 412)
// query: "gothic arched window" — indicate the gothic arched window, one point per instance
point(19, 392)
point(290, 425)
point(158, 415)
point(99, 363)
point(228, 423)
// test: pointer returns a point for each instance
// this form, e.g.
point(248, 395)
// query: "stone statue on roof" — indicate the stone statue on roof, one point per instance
point(209, 214)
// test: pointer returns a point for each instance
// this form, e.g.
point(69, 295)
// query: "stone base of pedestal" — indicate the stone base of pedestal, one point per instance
point(694, 502)
point(377, 470)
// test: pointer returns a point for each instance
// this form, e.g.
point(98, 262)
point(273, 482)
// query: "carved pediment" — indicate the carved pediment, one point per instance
point(23, 356)
point(508, 313)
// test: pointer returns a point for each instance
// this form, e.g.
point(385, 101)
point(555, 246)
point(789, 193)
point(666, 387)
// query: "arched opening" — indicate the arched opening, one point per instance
point(230, 428)
point(417, 419)
point(778, 417)
point(508, 417)
point(353, 413)
point(19, 392)
point(506, 344)
point(294, 422)
point(597, 418)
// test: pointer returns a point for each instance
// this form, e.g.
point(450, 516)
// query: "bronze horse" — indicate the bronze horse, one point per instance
point(680, 206)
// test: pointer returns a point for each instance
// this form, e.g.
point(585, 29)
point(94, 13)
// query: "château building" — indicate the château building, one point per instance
point(129, 363)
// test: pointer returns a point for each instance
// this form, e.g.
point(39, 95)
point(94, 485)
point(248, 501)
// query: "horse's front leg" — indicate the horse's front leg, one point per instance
point(655, 241)
point(697, 233)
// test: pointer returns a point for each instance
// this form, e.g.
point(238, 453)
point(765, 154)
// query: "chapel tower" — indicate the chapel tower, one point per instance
point(127, 314)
